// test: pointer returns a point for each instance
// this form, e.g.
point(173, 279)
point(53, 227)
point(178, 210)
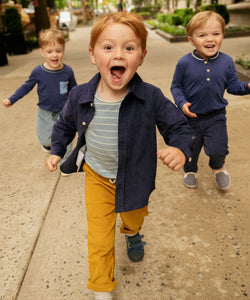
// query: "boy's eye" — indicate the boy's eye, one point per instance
point(129, 48)
point(108, 47)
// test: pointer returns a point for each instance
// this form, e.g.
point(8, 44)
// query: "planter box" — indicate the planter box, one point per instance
point(243, 74)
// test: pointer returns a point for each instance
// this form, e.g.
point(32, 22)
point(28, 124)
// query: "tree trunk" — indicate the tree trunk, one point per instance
point(84, 13)
point(41, 15)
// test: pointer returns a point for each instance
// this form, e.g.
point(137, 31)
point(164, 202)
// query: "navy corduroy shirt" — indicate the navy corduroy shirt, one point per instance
point(143, 108)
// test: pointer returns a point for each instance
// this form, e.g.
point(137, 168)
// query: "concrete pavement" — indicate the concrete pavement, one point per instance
point(198, 241)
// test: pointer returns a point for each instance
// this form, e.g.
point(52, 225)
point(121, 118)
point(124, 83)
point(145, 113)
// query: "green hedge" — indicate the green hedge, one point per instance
point(179, 17)
point(161, 18)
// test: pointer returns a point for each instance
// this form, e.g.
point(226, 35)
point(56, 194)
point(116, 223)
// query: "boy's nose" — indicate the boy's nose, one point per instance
point(118, 54)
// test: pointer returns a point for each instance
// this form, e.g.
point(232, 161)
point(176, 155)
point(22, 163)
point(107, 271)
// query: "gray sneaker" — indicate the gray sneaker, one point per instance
point(189, 180)
point(222, 179)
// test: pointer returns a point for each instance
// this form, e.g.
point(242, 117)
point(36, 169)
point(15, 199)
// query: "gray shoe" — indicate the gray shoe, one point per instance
point(189, 180)
point(222, 179)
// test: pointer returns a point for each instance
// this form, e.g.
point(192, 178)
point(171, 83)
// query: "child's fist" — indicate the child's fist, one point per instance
point(6, 103)
point(52, 162)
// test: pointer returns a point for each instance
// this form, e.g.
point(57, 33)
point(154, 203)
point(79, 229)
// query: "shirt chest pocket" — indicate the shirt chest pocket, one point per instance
point(64, 87)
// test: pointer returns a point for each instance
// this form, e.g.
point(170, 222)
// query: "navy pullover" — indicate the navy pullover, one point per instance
point(53, 87)
point(203, 82)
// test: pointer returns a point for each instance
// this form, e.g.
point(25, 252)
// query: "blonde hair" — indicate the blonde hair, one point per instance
point(134, 21)
point(200, 19)
point(50, 36)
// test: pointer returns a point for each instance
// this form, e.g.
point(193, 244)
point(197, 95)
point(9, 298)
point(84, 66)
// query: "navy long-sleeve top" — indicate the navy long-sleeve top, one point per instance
point(203, 82)
point(143, 108)
point(53, 87)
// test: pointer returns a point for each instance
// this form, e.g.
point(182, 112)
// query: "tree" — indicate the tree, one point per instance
point(84, 13)
point(41, 15)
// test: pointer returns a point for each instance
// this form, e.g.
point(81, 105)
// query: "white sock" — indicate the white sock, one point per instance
point(133, 234)
point(103, 296)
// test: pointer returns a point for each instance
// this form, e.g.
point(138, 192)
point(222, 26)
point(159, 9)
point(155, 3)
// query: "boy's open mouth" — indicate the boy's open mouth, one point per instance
point(117, 72)
point(209, 46)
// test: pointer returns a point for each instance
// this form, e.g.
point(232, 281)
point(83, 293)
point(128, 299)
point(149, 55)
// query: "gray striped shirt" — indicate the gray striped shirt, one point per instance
point(102, 138)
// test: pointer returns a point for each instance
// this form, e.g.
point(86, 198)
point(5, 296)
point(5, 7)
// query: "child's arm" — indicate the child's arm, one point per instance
point(172, 157)
point(6, 103)
point(187, 112)
point(52, 162)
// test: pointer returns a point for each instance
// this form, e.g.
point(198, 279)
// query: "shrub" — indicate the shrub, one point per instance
point(12, 20)
point(145, 14)
point(176, 19)
point(220, 9)
point(182, 12)
point(161, 18)
point(186, 19)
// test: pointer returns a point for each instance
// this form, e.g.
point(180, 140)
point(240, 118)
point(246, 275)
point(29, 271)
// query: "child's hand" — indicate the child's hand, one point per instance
point(186, 111)
point(172, 157)
point(248, 85)
point(52, 162)
point(6, 103)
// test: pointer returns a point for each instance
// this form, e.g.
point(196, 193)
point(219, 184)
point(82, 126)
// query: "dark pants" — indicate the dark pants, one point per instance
point(211, 133)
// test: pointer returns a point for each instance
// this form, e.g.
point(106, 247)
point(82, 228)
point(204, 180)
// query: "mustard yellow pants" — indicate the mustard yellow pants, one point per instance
point(101, 219)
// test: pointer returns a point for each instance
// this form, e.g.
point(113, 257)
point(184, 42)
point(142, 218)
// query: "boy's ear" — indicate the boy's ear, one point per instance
point(190, 39)
point(142, 57)
point(41, 51)
point(92, 57)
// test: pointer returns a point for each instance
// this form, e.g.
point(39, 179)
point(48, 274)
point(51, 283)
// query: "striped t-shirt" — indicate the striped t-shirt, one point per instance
point(102, 138)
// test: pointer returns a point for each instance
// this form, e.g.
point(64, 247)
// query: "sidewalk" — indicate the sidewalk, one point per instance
point(198, 241)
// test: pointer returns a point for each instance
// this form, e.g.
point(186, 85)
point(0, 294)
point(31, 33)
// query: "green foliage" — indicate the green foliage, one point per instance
point(174, 30)
point(186, 19)
point(245, 63)
point(237, 28)
point(186, 14)
point(12, 20)
point(145, 14)
point(161, 18)
point(61, 3)
point(152, 23)
point(220, 9)
point(137, 4)
point(33, 42)
point(149, 8)
point(173, 19)
point(180, 17)
point(182, 12)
